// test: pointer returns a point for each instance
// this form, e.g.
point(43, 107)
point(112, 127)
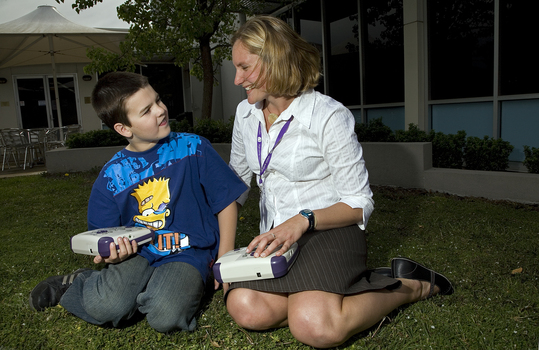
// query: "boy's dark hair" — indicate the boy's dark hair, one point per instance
point(110, 93)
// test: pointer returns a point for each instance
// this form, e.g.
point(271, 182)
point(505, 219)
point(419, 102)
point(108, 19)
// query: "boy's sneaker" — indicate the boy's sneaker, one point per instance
point(48, 292)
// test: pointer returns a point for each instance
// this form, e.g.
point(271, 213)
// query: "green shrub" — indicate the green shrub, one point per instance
point(413, 134)
point(487, 154)
point(531, 159)
point(374, 131)
point(448, 150)
point(96, 138)
point(181, 126)
point(216, 131)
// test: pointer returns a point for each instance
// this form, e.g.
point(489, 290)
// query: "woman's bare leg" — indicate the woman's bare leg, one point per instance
point(322, 319)
point(317, 318)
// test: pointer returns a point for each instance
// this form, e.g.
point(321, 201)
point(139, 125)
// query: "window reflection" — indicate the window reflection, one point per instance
point(68, 101)
point(344, 82)
point(461, 48)
point(518, 54)
point(384, 51)
point(170, 90)
point(310, 28)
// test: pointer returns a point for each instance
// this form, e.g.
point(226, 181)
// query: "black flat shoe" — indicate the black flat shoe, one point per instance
point(409, 269)
point(384, 271)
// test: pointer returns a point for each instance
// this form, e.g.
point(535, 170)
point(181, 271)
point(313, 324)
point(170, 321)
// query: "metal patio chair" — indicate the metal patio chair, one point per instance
point(16, 143)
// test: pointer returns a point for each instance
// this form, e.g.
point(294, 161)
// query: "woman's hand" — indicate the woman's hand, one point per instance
point(126, 248)
point(216, 285)
point(286, 234)
point(336, 216)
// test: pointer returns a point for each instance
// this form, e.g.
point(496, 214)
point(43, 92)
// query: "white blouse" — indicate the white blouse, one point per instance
point(317, 163)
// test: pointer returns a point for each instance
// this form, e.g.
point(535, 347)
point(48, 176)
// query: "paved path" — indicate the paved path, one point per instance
point(14, 171)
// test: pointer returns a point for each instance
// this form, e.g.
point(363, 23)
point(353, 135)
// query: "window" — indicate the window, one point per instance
point(520, 125)
point(166, 79)
point(461, 48)
point(474, 118)
point(344, 81)
point(383, 46)
point(310, 28)
point(518, 55)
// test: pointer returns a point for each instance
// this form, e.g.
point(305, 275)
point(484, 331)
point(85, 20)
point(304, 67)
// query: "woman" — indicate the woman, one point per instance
point(315, 191)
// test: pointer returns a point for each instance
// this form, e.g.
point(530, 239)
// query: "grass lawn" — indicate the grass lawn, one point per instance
point(490, 251)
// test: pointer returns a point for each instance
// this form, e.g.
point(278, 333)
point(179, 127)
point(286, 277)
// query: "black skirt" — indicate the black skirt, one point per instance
point(331, 261)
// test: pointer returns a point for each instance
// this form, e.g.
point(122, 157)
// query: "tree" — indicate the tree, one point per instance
point(192, 32)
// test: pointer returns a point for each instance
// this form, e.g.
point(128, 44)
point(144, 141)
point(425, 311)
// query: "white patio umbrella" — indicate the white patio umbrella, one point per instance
point(45, 36)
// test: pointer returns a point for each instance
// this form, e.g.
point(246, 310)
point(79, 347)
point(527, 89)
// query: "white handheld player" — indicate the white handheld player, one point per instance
point(97, 242)
point(236, 265)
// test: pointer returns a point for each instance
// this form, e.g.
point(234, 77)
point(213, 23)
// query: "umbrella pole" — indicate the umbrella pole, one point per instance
point(56, 91)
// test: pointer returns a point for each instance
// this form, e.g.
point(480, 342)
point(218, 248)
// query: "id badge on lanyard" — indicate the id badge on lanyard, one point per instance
point(264, 166)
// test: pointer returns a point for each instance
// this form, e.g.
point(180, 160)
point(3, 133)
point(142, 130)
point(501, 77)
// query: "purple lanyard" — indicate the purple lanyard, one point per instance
point(264, 166)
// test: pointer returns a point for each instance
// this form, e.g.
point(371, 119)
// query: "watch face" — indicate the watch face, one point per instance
point(309, 215)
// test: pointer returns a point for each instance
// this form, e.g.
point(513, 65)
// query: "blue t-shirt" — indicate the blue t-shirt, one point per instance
point(176, 189)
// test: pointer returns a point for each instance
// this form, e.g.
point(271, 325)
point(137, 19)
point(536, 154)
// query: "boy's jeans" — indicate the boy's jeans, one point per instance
point(169, 295)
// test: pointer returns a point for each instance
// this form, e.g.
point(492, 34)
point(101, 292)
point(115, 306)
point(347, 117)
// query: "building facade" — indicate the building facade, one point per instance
point(442, 65)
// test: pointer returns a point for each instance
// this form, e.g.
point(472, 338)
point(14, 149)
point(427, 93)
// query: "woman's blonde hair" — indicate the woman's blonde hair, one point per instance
point(289, 65)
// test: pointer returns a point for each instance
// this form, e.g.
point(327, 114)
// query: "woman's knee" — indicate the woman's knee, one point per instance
point(314, 331)
point(250, 311)
point(240, 309)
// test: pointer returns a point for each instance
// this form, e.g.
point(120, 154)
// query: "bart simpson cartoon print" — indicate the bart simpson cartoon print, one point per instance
point(153, 198)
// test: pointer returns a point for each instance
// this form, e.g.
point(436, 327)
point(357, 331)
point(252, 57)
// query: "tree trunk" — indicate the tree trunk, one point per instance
point(207, 69)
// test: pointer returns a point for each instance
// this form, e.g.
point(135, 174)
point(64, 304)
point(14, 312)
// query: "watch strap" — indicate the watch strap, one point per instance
point(309, 215)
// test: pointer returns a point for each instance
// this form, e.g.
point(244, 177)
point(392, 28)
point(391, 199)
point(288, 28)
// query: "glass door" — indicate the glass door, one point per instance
point(37, 104)
point(33, 106)
point(68, 101)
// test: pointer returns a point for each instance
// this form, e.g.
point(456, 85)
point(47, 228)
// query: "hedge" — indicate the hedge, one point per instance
point(448, 150)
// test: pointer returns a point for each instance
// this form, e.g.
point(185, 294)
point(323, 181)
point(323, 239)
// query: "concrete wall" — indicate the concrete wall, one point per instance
point(499, 185)
point(409, 165)
point(399, 164)
point(63, 160)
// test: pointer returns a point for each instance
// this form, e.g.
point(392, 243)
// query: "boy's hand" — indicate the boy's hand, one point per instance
point(126, 249)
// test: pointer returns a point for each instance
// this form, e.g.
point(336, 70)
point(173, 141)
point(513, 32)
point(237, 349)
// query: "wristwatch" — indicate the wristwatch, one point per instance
point(309, 215)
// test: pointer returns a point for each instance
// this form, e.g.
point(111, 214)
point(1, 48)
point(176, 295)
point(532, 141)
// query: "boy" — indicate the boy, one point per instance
point(174, 184)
